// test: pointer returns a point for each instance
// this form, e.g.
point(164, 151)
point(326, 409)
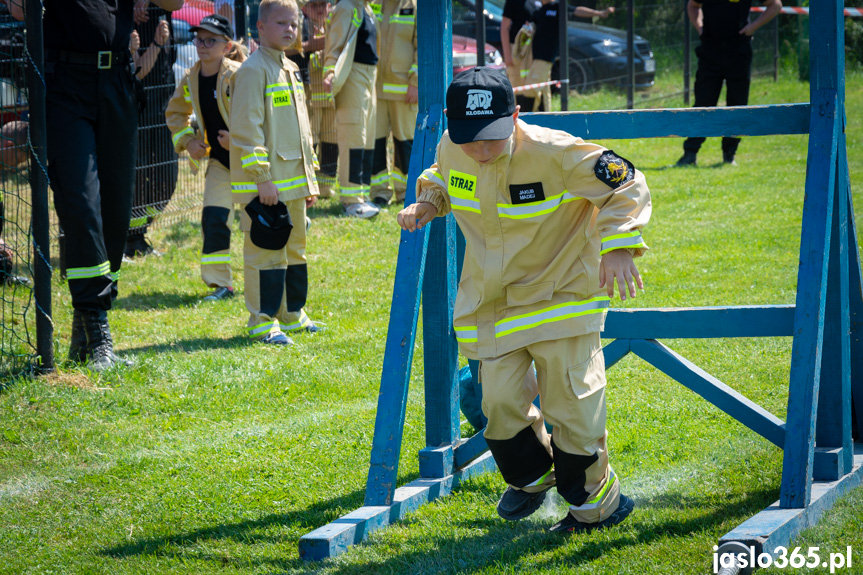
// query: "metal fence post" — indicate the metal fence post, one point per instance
point(39, 189)
point(687, 49)
point(480, 32)
point(563, 62)
point(630, 49)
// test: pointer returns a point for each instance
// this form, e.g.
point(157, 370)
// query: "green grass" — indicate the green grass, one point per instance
point(215, 455)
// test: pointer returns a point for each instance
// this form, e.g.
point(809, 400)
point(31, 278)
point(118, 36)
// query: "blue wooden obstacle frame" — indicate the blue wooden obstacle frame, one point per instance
point(826, 322)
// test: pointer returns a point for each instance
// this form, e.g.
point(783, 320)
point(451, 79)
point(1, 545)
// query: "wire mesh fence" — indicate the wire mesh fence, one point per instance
point(17, 335)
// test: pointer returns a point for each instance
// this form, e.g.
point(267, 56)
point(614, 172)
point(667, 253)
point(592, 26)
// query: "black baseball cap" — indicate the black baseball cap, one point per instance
point(479, 106)
point(215, 23)
point(271, 225)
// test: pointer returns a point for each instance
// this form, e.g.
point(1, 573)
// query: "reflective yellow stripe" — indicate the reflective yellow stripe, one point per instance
point(466, 334)
point(356, 19)
point(244, 187)
point(186, 95)
point(92, 272)
point(399, 19)
point(625, 240)
point(432, 176)
point(551, 314)
point(541, 480)
point(181, 133)
point(463, 204)
point(395, 88)
point(261, 328)
point(216, 259)
point(596, 501)
point(257, 158)
point(534, 209)
point(352, 190)
point(301, 323)
point(291, 184)
point(115, 276)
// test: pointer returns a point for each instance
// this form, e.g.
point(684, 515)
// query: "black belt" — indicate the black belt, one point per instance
point(102, 60)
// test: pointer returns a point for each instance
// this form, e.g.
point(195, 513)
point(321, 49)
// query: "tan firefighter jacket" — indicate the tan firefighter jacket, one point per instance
point(344, 23)
point(535, 221)
point(271, 139)
point(186, 101)
point(397, 47)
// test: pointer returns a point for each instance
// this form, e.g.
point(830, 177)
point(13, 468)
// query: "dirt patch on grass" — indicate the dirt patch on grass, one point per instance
point(72, 379)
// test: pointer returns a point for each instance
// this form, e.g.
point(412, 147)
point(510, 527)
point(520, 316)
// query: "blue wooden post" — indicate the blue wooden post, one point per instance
point(827, 61)
point(440, 281)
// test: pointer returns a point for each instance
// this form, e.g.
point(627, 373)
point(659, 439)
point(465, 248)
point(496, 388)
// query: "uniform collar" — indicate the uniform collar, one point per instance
point(274, 54)
point(506, 154)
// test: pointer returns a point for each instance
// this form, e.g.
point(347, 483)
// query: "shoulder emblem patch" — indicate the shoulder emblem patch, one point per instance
point(613, 170)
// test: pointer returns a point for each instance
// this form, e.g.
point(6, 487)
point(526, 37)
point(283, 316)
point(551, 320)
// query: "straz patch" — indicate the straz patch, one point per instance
point(461, 185)
point(186, 95)
point(613, 170)
point(526, 193)
point(281, 99)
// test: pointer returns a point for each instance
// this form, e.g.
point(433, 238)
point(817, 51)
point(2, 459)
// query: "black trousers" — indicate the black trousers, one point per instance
point(92, 118)
point(722, 61)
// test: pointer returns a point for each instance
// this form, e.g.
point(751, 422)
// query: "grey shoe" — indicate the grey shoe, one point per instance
point(220, 293)
point(364, 210)
point(277, 338)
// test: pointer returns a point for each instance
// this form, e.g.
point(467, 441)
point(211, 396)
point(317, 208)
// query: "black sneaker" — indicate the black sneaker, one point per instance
point(220, 293)
point(570, 524)
point(515, 504)
point(380, 202)
point(687, 159)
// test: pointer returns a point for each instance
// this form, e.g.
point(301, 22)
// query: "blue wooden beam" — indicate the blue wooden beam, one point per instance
point(700, 322)
point(678, 123)
point(777, 526)
point(825, 21)
point(335, 538)
point(725, 398)
point(615, 351)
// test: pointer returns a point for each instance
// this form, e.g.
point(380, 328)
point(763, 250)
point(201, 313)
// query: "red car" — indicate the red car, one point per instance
point(464, 54)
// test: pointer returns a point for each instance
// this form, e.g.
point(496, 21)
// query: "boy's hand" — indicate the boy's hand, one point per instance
point(311, 201)
point(268, 193)
point(618, 264)
point(415, 216)
point(224, 138)
point(197, 149)
point(328, 84)
point(412, 95)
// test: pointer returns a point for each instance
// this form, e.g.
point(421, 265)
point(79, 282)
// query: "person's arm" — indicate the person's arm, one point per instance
point(585, 12)
point(147, 60)
point(620, 193)
point(412, 95)
point(16, 8)
point(247, 130)
point(771, 9)
point(696, 16)
point(432, 199)
point(505, 25)
point(338, 32)
point(178, 115)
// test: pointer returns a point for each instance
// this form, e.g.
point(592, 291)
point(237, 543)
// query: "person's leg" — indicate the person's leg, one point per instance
point(404, 126)
point(216, 218)
point(291, 315)
point(708, 86)
point(737, 84)
point(381, 189)
point(264, 274)
point(352, 108)
point(571, 379)
point(516, 433)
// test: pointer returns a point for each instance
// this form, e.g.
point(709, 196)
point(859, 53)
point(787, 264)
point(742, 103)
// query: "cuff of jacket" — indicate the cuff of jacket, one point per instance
point(434, 198)
point(261, 177)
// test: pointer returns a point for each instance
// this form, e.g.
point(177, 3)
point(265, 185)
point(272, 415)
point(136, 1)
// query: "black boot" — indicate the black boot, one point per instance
point(687, 159)
point(100, 347)
point(78, 346)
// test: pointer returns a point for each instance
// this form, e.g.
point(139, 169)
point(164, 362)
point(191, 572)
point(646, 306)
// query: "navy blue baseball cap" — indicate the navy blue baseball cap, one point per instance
point(479, 106)
point(215, 23)
point(271, 225)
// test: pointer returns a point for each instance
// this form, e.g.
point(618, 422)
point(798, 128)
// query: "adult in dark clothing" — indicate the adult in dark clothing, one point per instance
point(725, 54)
point(515, 14)
point(157, 169)
point(92, 122)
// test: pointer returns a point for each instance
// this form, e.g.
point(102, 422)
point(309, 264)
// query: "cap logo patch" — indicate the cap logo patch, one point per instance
point(478, 99)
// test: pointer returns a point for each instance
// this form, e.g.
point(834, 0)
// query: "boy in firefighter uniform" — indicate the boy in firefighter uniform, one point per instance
point(205, 92)
point(397, 97)
point(350, 60)
point(272, 160)
point(548, 220)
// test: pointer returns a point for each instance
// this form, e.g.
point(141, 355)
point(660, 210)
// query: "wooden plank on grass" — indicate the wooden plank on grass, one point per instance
point(335, 538)
point(678, 122)
point(722, 396)
point(777, 526)
point(700, 322)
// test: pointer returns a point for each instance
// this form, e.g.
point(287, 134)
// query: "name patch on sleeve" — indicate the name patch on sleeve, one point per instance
point(461, 185)
point(613, 170)
point(406, 12)
point(526, 193)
